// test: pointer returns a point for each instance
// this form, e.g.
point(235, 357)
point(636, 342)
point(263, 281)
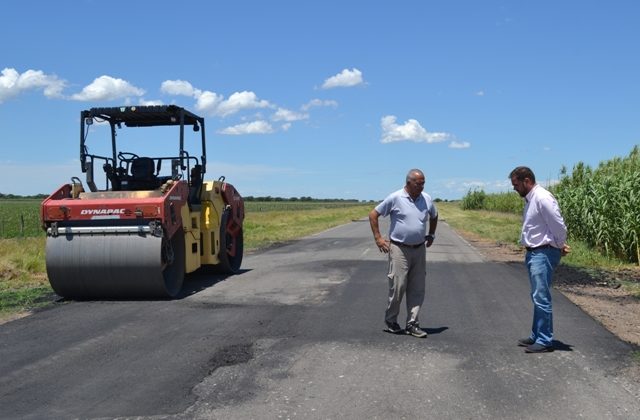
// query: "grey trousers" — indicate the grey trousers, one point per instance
point(407, 274)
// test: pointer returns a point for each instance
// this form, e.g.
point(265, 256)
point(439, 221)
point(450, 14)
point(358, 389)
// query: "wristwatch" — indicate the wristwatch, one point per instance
point(431, 235)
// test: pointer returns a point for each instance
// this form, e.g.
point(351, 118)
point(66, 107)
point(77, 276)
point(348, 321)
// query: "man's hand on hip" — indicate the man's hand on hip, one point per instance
point(383, 245)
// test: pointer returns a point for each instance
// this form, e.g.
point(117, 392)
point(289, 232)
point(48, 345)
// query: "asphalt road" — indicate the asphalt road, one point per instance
point(299, 335)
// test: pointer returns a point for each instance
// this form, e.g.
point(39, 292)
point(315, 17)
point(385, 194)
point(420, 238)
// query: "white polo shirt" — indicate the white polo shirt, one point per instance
point(409, 218)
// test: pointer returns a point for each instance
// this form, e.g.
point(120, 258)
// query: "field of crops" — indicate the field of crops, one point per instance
point(508, 202)
point(601, 206)
point(21, 217)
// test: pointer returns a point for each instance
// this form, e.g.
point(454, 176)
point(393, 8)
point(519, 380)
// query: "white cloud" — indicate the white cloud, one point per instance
point(346, 78)
point(480, 93)
point(411, 130)
point(255, 127)
point(13, 83)
point(212, 103)
point(285, 126)
point(145, 102)
point(240, 101)
point(178, 87)
point(459, 145)
point(319, 102)
point(286, 115)
point(107, 88)
point(208, 101)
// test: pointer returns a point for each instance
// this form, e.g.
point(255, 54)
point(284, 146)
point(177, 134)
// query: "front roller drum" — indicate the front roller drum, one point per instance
point(116, 266)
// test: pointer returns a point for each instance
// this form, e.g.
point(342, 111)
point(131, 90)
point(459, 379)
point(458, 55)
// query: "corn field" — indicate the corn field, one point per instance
point(508, 202)
point(601, 206)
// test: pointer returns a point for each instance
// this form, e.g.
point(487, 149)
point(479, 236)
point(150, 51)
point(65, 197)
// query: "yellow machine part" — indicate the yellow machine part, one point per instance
point(202, 228)
point(191, 226)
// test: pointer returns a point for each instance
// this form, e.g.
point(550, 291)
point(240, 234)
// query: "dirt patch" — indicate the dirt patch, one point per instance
point(4, 318)
point(598, 292)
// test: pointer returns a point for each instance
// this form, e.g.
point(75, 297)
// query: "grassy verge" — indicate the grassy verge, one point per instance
point(23, 281)
point(501, 227)
point(505, 228)
point(266, 228)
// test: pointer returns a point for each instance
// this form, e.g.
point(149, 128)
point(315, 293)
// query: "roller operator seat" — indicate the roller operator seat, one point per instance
point(143, 175)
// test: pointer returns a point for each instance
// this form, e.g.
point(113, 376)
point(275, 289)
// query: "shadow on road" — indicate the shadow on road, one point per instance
point(437, 330)
point(560, 346)
point(199, 281)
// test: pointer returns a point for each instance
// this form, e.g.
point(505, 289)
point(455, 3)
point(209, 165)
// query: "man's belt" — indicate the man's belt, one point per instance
point(406, 245)
point(536, 248)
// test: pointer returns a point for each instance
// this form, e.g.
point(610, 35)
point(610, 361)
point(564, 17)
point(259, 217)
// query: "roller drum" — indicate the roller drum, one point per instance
point(115, 265)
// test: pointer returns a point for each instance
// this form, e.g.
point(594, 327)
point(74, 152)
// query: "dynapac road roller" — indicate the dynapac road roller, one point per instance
point(141, 221)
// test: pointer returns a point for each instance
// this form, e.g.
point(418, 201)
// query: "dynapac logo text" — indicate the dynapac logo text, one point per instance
point(99, 212)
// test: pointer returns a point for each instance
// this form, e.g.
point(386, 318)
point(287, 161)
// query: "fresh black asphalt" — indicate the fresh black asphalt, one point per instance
point(299, 334)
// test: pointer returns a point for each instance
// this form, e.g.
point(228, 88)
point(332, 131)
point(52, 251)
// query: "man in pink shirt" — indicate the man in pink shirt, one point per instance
point(544, 235)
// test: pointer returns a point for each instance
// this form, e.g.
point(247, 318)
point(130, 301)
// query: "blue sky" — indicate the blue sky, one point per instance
point(329, 99)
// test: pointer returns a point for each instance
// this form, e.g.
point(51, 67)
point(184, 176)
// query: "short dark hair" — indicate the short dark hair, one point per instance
point(522, 172)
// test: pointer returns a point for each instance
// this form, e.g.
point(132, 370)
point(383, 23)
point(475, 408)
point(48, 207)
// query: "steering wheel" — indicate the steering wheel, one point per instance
point(127, 157)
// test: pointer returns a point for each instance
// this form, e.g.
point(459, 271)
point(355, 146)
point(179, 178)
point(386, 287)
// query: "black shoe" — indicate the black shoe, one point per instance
point(525, 342)
point(538, 348)
point(393, 328)
point(416, 331)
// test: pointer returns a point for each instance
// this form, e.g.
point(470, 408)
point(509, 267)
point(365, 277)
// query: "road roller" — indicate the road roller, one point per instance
point(141, 220)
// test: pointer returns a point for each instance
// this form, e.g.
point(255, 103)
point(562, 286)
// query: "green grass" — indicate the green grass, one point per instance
point(505, 228)
point(23, 281)
point(501, 227)
point(20, 218)
point(268, 227)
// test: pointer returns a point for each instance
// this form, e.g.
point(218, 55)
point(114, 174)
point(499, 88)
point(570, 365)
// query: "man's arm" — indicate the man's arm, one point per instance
point(433, 224)
point(382, 244)
point(550, 213)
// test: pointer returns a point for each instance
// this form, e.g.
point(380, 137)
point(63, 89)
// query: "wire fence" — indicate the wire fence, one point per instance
point(20, 218)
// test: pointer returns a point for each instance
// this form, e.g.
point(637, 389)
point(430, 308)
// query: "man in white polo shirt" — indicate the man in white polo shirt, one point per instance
point(411, 211)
